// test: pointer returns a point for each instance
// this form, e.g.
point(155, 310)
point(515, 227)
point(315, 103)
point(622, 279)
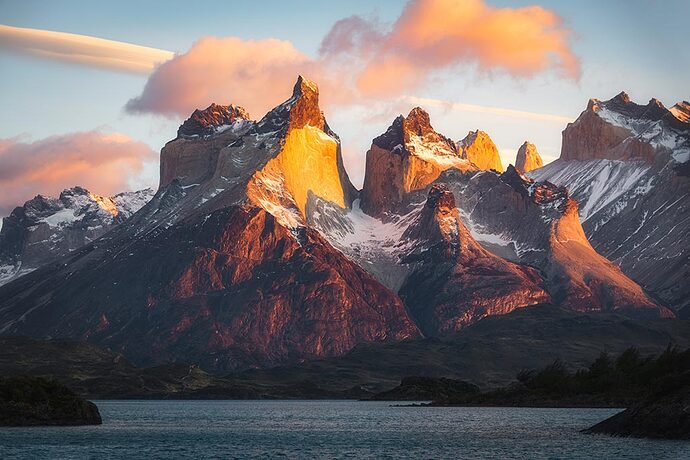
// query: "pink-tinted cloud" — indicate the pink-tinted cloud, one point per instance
point(359, 60)
point(254, 74)
point(99, 162)
point(432, 35)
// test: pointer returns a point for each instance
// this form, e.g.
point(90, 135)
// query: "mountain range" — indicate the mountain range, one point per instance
point(627, 166)
point(256, 250)
point(45, 229)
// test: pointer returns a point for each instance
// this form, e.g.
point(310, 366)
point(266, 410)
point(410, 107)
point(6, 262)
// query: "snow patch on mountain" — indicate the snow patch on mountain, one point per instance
point(376, 244)
point(654, 132)
point(130, 202)
point(480, 233)
point(436, 152)
point(367, 236)
point(594, 184)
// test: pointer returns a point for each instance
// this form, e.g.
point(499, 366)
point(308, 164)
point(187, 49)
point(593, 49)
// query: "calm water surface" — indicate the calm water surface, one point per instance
point(328, 429)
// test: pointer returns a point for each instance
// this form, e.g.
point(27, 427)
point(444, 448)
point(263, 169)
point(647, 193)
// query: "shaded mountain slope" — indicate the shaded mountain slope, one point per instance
point(625, 164)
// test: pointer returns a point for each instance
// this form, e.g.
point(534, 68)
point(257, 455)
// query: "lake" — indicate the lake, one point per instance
point(328, 429)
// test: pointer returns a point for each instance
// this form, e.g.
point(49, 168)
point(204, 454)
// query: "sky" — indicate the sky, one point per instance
point(91, 91)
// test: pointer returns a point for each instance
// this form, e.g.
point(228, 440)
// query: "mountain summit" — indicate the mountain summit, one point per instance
point(407, 157)
point(213, 119)
point(478, 148)
point(620, 129)
point(527, 158)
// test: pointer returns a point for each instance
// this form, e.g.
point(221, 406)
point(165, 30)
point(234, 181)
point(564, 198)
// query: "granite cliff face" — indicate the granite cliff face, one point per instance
point(626, 166)
point(478, 148)
point(309, 164)
point(192, 156)
point(527, 158)
point(45, 229)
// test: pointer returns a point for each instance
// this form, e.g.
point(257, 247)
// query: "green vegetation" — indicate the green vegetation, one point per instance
point(607, 382)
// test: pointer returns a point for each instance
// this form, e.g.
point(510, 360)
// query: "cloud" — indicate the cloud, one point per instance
point(82, 49)
point(432, 35)
point(97, 161)
point(256, 74)
point(361, 61)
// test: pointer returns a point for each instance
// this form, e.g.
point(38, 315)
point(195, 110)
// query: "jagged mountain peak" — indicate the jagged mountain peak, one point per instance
point(453, 280)
point(302, 109)
point(514, 178)
point(472, 137)
point(621, 97)
point(306, 111)
point(418, 122)
point(77, 199)
point(620, 129)
point(307, 161)
point(624, 106)
point(406, 134)
point(275, 163)
point(393, 138)
point(304, 87)
point(213, 119)
point(46, 228)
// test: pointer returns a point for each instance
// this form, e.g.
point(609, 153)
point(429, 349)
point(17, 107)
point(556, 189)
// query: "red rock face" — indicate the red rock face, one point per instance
point(591, 137)
point(455, 281)
point(234, 291)
point(305, 110)
point(593, 282)
point(192, 157)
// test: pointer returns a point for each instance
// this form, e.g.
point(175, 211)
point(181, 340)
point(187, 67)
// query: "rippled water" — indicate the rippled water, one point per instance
point(328, 429)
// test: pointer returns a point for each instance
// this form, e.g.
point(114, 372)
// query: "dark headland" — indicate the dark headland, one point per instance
point(35, 401)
